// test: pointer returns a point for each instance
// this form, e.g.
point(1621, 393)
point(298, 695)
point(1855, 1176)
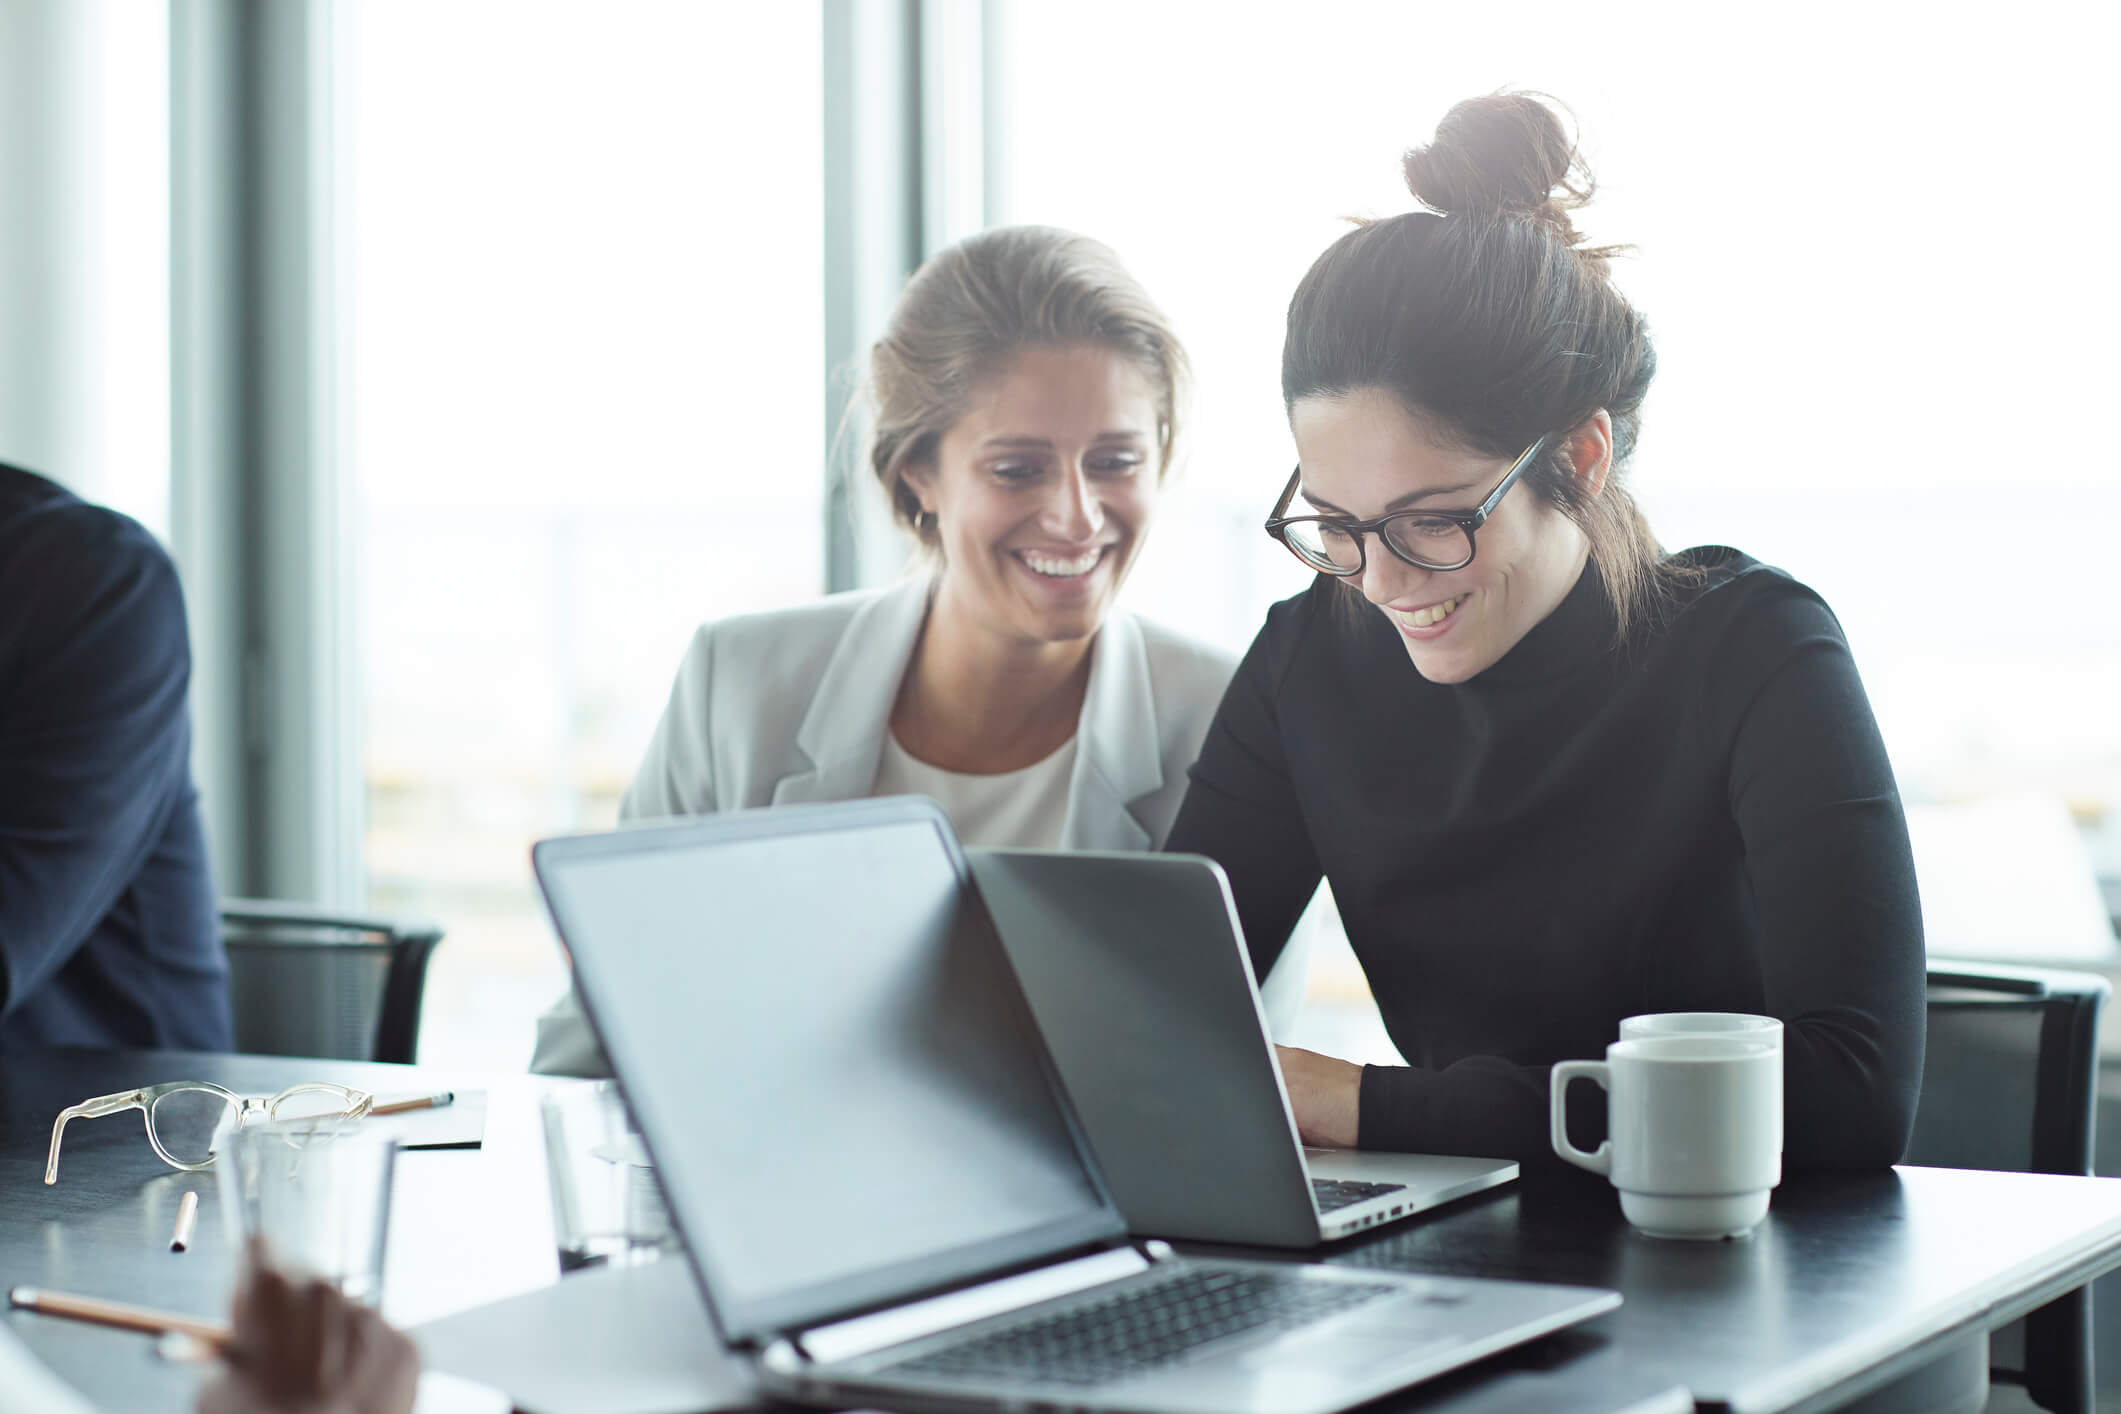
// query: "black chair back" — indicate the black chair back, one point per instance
point(311, 982)
point(2010, 1081)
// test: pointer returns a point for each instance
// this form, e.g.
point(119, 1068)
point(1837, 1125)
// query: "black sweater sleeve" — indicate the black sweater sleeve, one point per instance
point(1833, 878)
point(1484, 1105)
point(1241, 809)
point(1811, 793)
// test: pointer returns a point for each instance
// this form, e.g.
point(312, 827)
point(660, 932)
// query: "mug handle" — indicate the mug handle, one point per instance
point(1599, 1160)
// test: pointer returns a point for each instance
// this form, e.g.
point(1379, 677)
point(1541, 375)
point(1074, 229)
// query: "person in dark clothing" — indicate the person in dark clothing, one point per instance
point(108, 932)
point(1554, 775)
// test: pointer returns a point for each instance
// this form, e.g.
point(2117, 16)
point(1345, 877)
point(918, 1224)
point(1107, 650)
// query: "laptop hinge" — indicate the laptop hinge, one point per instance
point(846, 1340)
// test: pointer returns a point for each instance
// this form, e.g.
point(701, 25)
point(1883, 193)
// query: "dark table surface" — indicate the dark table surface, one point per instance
point(467, 1226)
point(1854, 1280)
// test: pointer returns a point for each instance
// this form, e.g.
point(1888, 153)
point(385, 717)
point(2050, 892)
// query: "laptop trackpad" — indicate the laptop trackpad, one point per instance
point(1352, 1347)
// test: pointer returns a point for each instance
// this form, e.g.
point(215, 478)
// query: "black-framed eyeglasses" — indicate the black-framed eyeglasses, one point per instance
point(1430, 540)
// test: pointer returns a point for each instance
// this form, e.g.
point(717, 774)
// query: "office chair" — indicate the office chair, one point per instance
point(2009, 1081)
point(309, 982)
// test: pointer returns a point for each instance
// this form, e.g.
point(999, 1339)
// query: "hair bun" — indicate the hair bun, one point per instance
point(1502, 154)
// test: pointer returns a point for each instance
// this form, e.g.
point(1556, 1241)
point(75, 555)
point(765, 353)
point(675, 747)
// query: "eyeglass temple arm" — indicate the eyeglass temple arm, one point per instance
point(1526, 460)
point(1288, 494)
point(88, 1109)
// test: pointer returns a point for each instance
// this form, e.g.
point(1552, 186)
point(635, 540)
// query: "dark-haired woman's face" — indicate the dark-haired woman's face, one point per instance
point(1043, 491)
point(1365, 455)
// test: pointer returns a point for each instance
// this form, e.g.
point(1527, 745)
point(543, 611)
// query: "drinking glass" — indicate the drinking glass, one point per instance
point(318, 1191)
point(606, 1207)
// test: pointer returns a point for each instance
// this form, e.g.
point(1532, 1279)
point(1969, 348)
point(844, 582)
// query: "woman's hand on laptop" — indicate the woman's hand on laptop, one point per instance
point(1326, 1094)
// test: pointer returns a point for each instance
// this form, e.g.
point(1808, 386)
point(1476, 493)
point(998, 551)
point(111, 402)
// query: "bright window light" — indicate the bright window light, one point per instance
point(586, 415)
point(1871, 246)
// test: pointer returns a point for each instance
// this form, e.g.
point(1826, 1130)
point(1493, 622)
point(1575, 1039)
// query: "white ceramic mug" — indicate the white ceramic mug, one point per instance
point(1703, 1023)
point(1695, 1130)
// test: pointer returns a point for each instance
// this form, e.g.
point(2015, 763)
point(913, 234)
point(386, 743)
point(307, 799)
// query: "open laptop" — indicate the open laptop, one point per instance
point(882, 1188)
point(1135, 966)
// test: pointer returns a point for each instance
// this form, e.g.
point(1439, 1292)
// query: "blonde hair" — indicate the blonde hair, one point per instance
point(971, 308)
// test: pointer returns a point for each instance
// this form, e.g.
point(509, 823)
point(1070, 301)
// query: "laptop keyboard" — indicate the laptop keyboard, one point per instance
point(1334, 1193)
point(1144, 1327)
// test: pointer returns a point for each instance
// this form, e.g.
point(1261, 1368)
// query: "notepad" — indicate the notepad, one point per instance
point(458, 1125)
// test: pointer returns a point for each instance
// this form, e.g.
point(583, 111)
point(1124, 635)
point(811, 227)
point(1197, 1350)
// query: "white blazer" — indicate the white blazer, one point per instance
point(792, 705)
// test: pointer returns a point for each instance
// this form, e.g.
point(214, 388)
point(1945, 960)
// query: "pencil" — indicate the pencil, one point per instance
point(424, 1102)
point(115, 1313)
point(187, 1209)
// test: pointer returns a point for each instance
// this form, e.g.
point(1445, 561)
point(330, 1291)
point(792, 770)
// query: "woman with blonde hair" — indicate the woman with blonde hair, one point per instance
point(1026, 400)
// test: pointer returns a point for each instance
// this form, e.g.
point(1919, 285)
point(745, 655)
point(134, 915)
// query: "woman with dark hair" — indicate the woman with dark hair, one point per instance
point(1555, 775)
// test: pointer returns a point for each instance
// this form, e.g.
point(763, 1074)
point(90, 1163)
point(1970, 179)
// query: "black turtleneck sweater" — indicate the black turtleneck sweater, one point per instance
point(1702, 821)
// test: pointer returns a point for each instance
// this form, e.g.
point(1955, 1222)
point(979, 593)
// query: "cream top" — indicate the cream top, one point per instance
point(1015, 810)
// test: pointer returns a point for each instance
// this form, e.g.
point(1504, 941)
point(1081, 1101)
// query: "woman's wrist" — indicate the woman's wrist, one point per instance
point(1326, 1094)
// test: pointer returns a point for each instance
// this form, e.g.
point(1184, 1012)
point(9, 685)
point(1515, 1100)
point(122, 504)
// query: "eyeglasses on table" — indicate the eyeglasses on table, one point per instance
point(185, 1118)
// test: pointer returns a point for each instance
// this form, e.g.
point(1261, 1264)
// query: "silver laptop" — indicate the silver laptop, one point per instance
point(1136, 968)
point(883, 1191)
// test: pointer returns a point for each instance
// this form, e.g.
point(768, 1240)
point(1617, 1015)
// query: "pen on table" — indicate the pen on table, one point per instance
point(187, 1210)
point(214, 1334)
point(424, 1102)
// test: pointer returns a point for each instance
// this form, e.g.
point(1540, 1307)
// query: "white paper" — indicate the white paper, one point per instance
point(611, 1340)
point(27, 1385)
point(2008, 878)
point(450, 1394)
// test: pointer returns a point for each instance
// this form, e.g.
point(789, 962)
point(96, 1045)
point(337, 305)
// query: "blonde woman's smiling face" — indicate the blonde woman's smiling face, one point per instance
point(1365, 454)
point(1043, 491)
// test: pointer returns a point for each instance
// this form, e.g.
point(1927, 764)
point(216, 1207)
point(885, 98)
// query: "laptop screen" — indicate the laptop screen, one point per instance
point(827, 1053)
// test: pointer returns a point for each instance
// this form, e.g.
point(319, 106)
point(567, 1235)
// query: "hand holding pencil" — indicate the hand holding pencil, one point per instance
point(297, 1344)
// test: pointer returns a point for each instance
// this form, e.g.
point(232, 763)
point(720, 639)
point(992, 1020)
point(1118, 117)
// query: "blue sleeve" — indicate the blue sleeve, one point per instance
point(95, 664)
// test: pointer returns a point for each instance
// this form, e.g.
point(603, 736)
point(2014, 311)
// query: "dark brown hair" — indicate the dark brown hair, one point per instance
point(975, 305)
point(1486, 315)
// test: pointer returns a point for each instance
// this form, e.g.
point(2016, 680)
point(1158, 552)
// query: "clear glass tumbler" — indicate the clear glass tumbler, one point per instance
point(606, 1207)
point(318, 1191)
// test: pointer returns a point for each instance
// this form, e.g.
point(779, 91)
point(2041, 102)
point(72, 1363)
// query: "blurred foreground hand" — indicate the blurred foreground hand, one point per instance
point(299, 1347)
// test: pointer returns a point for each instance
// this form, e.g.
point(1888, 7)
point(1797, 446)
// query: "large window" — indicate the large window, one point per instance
point(85, 251)
point(1874, 267)
point(570, 264)
point(585, 413)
